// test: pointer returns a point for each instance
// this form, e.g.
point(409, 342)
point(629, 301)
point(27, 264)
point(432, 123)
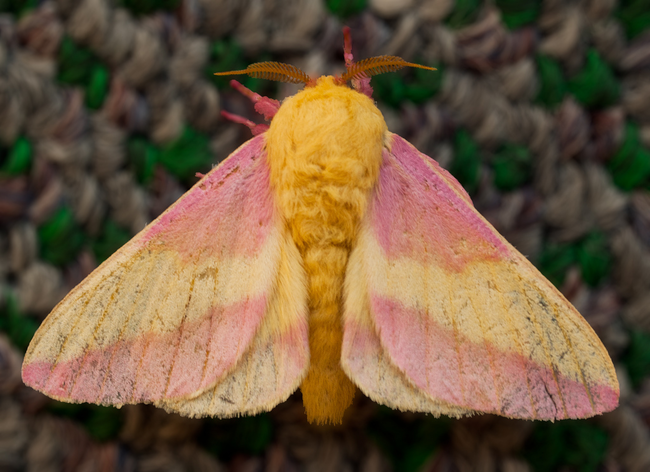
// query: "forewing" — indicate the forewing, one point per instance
point(174, 310)
point(459, 312)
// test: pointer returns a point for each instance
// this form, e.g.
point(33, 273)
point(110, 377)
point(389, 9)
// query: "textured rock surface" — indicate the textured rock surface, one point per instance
point(540, 109)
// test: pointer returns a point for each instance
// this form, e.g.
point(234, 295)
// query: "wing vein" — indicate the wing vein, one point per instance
point(490, 355)
point(211, 405)
point(79, 313)
point(211, 332)
point(126, 322)
point(545, 347)
point(59, 313)
point(575, 358)
point(148, 341)
point(456, 346)
point(515, 340)
point(427, 327)
point(93, 338)
point(180, 332)
point(247, 378)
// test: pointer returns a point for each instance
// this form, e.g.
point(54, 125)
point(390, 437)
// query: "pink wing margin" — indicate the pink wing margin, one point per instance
point(451, 311)
point(172, 312)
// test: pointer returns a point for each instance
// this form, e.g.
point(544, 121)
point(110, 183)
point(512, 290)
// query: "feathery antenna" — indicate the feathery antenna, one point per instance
point(273, 71)
point(378, 65)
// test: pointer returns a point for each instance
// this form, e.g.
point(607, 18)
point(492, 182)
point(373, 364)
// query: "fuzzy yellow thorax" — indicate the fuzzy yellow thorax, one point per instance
point(324, 150)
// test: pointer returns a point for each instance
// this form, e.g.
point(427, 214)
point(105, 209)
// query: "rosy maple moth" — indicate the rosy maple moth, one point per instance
point(326, 253)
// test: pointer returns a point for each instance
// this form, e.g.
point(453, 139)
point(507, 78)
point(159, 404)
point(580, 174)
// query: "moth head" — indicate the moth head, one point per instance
point(358, 73)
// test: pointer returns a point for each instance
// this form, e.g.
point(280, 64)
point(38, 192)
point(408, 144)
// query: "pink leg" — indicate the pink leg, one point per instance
point(263, 105)
point(347, 47)
point(254, 127)
point(360, 85)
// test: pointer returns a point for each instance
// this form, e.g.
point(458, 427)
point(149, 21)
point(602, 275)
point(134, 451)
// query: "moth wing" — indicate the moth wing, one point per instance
point(177, 308)
point(276, 361)
point(443, 315)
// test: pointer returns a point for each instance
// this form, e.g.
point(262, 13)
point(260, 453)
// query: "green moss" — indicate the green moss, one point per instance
point(101, 422)
point(17, 7)
point(591, 254)
point(111, 238)
point(389, 89)
point(422, 84)
point(466, 164)
point(512, 167)
point(18, 159)
point(595, 85)
point(19, 328)
point(228, 55)
point(465, 13)
point(579, 445)
point(225, 55)
point(414, 85)
point(247, 435)
point(78, 66)
point(60, 238)
point(75, 63)
point(637, 357)
point(188, 154)
point(594, 258)
point(145, 7)
point(551, 80)
point(630, 165)
point(635, 16)
point(346, 8)
point(97, 87)
point(408, 444)
point(554, 261)
point(143, 156)
point(517, 13)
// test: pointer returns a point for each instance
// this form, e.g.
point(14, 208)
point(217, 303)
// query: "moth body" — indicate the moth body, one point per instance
point(324, 151)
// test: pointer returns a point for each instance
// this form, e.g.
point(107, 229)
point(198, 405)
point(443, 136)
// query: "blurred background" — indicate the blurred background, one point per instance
point(541, 109)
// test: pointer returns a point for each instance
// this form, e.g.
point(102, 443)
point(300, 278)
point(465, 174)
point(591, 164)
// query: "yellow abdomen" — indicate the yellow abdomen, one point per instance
point(324, 151)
